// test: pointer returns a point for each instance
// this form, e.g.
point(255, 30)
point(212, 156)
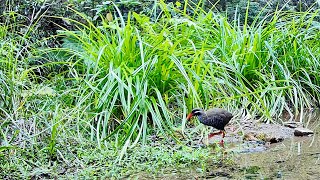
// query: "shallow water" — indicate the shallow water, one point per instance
point(294, 158)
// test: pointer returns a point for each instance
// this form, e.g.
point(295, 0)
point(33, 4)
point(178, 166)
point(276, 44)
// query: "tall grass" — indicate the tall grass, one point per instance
point(125, 79)
point(138, 73)
point(133, 72)
point(138, 67)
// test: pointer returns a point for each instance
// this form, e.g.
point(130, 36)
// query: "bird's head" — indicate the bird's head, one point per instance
point(195, 112)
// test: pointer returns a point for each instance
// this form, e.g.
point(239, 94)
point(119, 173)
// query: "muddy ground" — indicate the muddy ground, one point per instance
point(258, 151)
point(252, 135)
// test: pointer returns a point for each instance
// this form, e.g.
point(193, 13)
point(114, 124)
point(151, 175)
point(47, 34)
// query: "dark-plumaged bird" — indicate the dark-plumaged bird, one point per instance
point(215, 117)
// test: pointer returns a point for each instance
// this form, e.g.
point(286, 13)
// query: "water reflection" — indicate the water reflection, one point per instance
point(294, 158)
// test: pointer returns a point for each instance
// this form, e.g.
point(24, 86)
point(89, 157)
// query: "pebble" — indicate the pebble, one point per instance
point(250, 137)
point(302, 131)
point(292, 124)
point(274, 139)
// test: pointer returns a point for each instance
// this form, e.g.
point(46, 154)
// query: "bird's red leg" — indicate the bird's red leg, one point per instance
point(213, 134)
point(221, 143)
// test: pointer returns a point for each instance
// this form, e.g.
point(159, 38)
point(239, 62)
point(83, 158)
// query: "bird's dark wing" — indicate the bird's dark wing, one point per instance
point(218, 118)
point(219, 121)
point(221, 112)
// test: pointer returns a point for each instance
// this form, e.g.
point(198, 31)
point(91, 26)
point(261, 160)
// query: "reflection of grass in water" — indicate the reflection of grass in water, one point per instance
point(294, 158)
point(250, 172)
point(251, 169)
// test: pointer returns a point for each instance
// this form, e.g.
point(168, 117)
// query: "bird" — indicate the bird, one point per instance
point(217, 118)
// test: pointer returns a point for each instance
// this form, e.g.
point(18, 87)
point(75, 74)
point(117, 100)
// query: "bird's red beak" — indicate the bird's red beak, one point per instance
point(189, 116)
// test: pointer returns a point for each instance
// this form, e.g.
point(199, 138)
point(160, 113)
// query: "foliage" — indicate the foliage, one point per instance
point(113, 83)
point(79, 158)
point(136, 68)
point(260, 8)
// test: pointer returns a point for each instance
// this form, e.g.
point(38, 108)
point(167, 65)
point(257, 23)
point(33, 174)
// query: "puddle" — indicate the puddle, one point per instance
point(296, 158)
point(293, 158)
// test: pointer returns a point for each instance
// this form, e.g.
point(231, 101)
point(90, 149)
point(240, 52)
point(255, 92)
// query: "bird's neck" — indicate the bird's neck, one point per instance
point(202, 117)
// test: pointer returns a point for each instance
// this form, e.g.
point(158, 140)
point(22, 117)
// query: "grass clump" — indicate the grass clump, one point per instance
point(137, 68)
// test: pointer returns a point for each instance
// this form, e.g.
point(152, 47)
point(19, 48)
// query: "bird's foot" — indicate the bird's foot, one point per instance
point(221, 143)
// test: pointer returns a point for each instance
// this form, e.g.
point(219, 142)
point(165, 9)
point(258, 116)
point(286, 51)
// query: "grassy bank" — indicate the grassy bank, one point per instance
point(114, 83)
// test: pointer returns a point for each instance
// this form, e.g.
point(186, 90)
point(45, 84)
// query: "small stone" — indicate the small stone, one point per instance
point(292, 124)
point(272, 139)
point(262, 136)
point(250, 137)
point(302, 131)
point(267, 144)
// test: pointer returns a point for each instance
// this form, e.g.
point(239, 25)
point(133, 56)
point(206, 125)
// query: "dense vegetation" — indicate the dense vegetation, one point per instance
point(93, 91)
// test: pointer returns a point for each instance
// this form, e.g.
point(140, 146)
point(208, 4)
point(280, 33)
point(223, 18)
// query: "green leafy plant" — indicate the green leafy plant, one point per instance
point(114, 83)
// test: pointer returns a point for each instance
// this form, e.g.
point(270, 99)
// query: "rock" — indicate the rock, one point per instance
point(253, 136)
point(262, 136)
point(267, 145)
point(250, 137)
point(273, 139)
point(279, 175)
point(302, 131)
point(292, 124)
